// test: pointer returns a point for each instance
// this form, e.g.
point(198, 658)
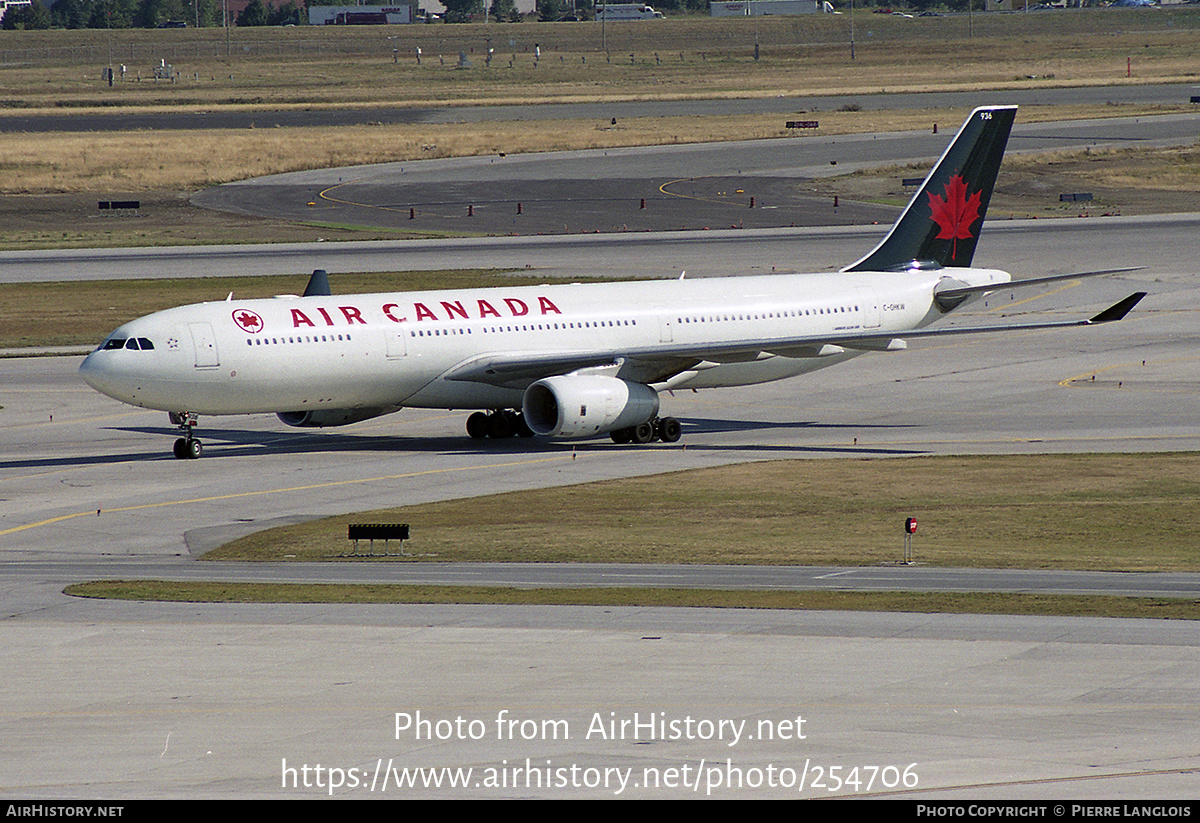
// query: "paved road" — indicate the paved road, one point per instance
point(743, 184)
point(889, 575)
point(783, 106)
point(1162, 243)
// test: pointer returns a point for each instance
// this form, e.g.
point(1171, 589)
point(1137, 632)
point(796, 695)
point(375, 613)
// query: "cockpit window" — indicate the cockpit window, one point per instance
point(132, 343)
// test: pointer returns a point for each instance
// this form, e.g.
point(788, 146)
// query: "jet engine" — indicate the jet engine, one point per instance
point(332, 417)
point(581, 405)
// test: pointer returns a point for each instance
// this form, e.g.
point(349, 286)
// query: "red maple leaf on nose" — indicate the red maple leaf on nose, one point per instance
point(247, 320)
point(954, 213)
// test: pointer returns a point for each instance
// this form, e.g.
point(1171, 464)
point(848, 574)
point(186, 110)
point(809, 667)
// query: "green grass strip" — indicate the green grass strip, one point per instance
point(921, 602)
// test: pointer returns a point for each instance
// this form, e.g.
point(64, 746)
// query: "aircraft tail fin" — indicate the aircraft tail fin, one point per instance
point(318, 284)
point(940, 225)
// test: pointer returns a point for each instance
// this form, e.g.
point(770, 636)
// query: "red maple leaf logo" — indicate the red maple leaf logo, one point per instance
point(248, 321)
point(955, 213)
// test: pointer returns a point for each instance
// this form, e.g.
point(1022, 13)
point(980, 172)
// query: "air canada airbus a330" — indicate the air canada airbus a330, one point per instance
point(570, 361)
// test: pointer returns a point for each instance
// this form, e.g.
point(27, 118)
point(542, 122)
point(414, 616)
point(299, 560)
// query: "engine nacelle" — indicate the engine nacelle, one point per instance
point(332, 417)
point(582, 405)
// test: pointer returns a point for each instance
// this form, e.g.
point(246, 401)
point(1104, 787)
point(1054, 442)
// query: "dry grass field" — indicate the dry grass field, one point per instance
point(691, 57)
point(191, 160)
point(268, 69)
point(1100, 512)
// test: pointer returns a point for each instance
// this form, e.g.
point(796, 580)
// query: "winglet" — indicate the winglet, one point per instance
point(1117, 311)
point(318, 284)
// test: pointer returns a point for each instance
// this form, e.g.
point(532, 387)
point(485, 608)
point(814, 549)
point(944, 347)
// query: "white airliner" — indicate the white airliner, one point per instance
point(569, 360)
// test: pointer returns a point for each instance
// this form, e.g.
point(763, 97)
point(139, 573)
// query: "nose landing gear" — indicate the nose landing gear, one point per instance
point(186, 447)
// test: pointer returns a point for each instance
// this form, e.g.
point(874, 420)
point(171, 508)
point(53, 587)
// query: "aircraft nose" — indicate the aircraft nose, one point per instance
point(98, 372)
point(92, 373)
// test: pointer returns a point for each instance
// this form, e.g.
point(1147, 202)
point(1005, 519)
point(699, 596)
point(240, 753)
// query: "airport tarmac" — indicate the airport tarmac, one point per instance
point(694, 187)
point(111, 700)
point(1129, 386)
point(117, 700)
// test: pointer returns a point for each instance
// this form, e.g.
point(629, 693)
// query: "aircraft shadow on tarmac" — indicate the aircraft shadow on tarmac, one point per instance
point(230, 443)
point(705, 425)
point(242, 442)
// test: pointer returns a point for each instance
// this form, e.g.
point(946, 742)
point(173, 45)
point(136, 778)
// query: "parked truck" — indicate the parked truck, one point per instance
point(627, 11)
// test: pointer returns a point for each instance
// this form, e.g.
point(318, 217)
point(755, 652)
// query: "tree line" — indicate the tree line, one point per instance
point(126, 14)
point(146, 14)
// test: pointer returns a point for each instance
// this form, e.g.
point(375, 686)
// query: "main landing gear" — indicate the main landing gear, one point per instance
point(186, 447)
point(666, 429)
point(498, 425)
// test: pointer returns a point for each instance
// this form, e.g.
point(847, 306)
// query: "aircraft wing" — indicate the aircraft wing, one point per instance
point(656, 363)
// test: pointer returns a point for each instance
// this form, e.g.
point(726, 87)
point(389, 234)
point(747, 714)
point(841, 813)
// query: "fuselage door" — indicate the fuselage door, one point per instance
point(666, 333)
point(869, 303)
point(396, 346)
point(205, 344)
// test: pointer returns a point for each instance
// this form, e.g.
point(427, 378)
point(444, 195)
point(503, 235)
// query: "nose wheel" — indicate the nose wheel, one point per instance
point(186, 447)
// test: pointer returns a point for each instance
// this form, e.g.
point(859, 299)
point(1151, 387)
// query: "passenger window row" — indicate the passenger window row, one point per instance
point(308, 338)
point(591, 324)
point(766, 315)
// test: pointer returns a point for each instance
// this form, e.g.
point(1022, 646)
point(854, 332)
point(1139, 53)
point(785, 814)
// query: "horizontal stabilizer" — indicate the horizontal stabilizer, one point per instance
point(953, 293)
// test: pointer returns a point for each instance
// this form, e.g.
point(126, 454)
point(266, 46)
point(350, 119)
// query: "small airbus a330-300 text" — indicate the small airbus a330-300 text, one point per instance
point(570, 361)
